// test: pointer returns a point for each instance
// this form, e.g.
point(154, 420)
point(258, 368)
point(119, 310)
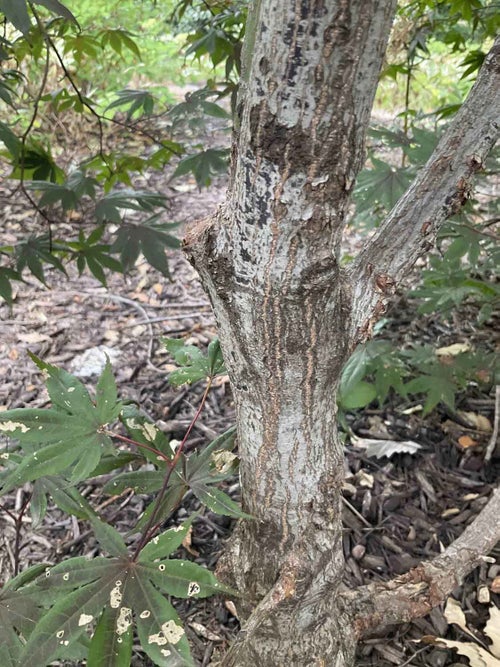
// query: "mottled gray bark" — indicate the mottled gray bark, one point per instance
point(288, 315)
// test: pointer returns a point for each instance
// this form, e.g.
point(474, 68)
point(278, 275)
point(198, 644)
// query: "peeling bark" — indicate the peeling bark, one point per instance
point(288, 315)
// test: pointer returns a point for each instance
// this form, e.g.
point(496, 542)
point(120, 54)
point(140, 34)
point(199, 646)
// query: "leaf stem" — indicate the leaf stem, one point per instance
point(151, 526)
point(129, 441)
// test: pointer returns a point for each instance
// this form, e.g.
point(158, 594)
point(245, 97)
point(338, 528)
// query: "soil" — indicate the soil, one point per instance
point(397, 511)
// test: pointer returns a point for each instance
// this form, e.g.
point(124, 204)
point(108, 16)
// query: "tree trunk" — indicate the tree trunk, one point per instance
point(289, 316)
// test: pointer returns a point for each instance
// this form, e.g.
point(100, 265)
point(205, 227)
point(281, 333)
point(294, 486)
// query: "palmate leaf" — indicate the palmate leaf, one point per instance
point(149, 237)
point(194, 364)
point(93, 254)
point(66, 435)
point(118, 592)
point(437, 387)
point(203, 165)
point(117, 38)
point(33, 253)
point(108, 208)
point(136, 100)
point(68, 618)
point(381, 185)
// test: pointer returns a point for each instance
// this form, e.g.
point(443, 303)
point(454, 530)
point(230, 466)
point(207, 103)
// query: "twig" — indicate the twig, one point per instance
point(356, 513)
point(34, 115)
point(161, 319)
point(18, 522)
point(494, 436)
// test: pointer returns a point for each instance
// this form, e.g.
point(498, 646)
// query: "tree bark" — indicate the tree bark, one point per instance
point(288, 315)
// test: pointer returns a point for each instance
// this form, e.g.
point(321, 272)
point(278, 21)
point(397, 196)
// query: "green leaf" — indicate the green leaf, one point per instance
point(166, 543)
point(49, 460)
point(70, 574)
point(382, 185)
point(108, 648)
point(25, 577)
point(66, 620)
point(67, 434)
point(142, 481)
point(170, 502)
point(215, 360)
point(141, 429)
point(159, 628)
point(33, 253)
point(10, 140)
point(195, 366)
point(149, 237)
point(16, 11)
point(108, 208)
point(19, 613)
point(6, 275)
point(203, 165)
point(137, 100)
point(354, 370)
point(200, 464)
point(58, 8)
point(218, 501)
point(109, 538)
point(437, 388)
point(38, 504)
point(359, 396)
point(118, 38)
point(65, 390)
point(115, 460)
point(181, 578)
point(66, 497)
point(107, 405)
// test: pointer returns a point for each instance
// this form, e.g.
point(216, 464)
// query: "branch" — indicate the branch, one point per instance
point(378, 605)
point(441, 189)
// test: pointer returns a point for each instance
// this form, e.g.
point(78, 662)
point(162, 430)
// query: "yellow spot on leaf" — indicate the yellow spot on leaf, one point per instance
point(84, 619)
point(10, 426)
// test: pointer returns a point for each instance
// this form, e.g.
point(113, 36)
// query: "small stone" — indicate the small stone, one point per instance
point(483, 595)
point(358, 551)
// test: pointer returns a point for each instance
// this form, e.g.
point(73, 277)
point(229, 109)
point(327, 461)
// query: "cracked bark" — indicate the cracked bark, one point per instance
point(288, 315)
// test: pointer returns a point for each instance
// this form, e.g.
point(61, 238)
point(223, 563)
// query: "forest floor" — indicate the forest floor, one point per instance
point(397, 511)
